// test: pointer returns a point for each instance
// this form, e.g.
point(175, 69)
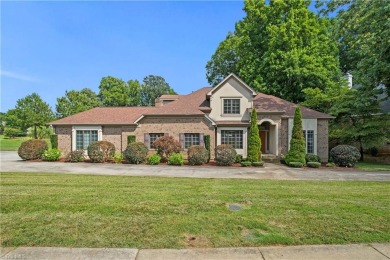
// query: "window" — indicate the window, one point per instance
point(232, 137)
point(84, 138)
point(153, 137)
point(231, 106)
point(191, 139)
point(309, 139)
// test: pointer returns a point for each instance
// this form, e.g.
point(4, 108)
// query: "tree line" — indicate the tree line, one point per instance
point(32, 112)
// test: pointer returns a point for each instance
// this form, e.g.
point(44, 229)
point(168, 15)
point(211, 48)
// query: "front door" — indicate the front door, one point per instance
point(263, 137)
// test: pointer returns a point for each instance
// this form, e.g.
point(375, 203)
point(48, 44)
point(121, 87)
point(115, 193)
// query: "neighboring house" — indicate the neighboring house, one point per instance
point(223, 112)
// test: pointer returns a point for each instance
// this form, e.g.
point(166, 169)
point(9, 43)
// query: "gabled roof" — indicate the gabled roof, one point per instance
point(231, 75)
point(271, 104)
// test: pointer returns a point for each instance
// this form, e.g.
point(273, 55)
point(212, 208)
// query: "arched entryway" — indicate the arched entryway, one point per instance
point(268, 131)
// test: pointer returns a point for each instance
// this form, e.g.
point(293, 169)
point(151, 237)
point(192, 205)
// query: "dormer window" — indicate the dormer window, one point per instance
point(231, 106)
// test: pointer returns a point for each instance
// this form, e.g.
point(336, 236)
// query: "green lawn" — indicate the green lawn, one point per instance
point(373, 166)
point(11, 144)
point(149, 212)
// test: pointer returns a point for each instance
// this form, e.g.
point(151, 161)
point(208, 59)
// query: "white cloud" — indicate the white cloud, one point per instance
point(13, 75)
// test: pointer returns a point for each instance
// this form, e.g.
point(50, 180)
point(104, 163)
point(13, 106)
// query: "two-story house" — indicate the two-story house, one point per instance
point(223, 112)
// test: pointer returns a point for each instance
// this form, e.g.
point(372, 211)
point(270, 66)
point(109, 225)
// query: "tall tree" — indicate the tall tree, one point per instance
point(135, 92)
point(279, 48)
point(254, 141)
point(33, 112)
point(152, 88)
point(76, 101)
point(114, 92)
point(297, 150)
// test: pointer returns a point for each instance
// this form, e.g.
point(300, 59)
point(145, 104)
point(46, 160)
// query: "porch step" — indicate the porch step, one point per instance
point(271, 158)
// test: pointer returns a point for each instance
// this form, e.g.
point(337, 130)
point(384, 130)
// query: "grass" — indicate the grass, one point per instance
point(148, 212)
point(12, 144)
point(373, 166)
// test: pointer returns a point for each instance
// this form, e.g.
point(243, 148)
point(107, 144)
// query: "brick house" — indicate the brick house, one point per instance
point(223, 112)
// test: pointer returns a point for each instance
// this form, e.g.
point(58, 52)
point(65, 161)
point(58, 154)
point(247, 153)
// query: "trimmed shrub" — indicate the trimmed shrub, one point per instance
point(297, 150)
point(225, 155)
point(11, 132)
point(166, 145)
point(118, 157)
point(154, 159)
point(206, 139)
point(197, 155)
point(254, 141)
point(314, 164)
point(101, 151)
point(330, 164)
point(32, 149)
point(282, 159)
point(312, 158)
point(238, 158)
point(51, 155)
point(75, 156)
point(54, 141)
point(245, 163)
point(130, 139)
point(176, 159)
point(136, 153)
point(295, 164)
point(345, 155)
point(258, 164)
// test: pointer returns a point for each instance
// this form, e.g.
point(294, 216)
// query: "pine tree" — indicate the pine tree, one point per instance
point(297, 150)
point(254, 141)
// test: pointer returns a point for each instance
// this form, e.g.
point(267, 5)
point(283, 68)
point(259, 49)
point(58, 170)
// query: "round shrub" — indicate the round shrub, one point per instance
point(166, 145)
point(345, 155)
point(75, 156)
point(197, 155)
point(154, 159)
point(176, 159)
point(51, 155)
point(295, 164)
point(118, 157)
point(32, 149)
point(330, 165)
point(101, 151)
point(312, 158)
point(258, 164)
point(245, 163)
point(136, 153)
point(225, 155)
point(314, 164)
point(238, 158)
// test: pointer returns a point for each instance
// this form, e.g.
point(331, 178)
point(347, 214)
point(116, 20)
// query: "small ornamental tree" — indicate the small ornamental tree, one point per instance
point(297, 150)
point(166, 145)
point(254, 141)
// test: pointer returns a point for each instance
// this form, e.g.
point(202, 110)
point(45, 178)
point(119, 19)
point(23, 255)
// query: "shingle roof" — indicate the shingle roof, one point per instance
point(268, 103)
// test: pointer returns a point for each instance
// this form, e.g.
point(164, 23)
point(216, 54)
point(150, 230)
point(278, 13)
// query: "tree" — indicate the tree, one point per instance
point(135, 92)
point(32, 111)
point(114, 92)
point(152, 88)
point(358, 120)
point(76, 101)
point(279, 48)
point(362, 30)
point(297, 150)
point(254, 141)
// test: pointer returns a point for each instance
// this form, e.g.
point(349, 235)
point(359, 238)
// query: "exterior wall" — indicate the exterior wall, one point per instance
point(307, 124)
point(64, 134)
point(275, 131)
point(231, 89)
point(171, 125)
point(323, 139)
point(284, 137)
point(113, 134)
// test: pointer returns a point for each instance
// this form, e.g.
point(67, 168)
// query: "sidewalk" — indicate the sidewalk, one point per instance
point(318, 252)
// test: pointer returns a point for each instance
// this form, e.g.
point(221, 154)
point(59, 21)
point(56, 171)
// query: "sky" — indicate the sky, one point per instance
point(49, 47)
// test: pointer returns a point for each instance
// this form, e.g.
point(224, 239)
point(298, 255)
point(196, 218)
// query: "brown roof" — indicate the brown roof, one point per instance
point(267, 103)
point(105, 115)
point(169, 96)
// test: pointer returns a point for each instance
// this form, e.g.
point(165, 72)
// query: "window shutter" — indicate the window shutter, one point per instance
point(201, 139)
point(166, 134)
point(146, 140)
point(181, 139)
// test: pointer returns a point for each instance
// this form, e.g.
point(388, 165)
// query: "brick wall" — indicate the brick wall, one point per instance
point(64, 134)
point(322, 139)
point(113, 134)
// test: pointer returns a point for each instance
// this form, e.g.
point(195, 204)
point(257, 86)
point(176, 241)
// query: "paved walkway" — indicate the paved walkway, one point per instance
point(10, 162)
point(318, 252)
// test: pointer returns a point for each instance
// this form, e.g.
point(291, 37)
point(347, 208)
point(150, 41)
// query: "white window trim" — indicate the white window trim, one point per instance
point(244, 130)
point(307, 124)
point(230, 115)
point(86, 127)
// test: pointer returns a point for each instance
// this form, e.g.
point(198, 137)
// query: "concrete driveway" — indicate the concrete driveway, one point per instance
point(10, 162)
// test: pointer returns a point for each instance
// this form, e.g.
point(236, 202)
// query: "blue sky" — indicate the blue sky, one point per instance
point(49, 47)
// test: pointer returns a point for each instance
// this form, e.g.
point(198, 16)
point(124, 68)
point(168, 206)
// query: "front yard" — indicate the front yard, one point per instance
point(150, 212)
